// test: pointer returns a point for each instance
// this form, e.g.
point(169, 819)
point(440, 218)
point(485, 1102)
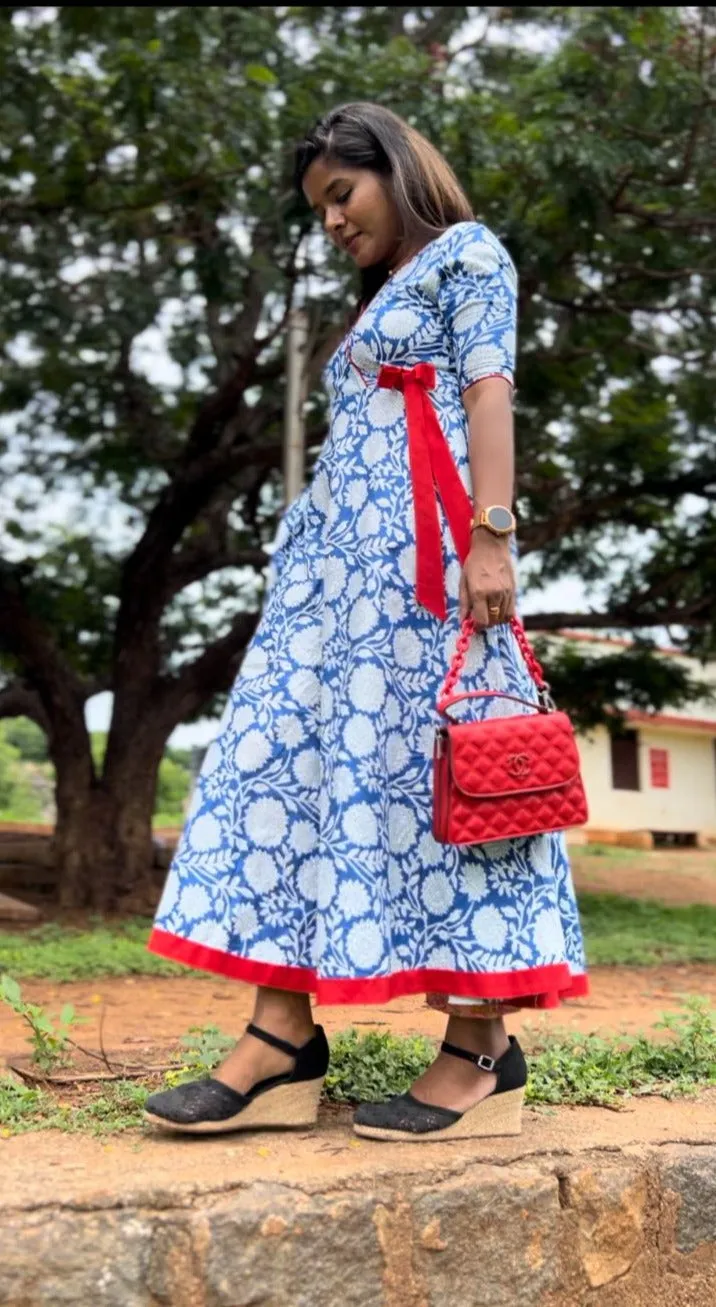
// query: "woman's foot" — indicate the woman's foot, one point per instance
point(456, 1083)
point(253, 1060)
point(465, 1093)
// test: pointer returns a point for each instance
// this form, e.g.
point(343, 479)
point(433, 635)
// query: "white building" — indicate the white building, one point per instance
point(657, 779)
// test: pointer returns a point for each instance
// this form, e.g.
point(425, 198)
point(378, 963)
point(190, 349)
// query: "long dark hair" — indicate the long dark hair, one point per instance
point(427, 194)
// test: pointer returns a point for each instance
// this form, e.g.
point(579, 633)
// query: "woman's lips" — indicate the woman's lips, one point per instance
point(351, 243)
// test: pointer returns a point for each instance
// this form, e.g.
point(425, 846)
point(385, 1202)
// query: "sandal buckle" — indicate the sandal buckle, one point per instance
point(484, 1062)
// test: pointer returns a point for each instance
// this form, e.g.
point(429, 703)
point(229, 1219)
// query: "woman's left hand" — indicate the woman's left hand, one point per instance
point(487, 584)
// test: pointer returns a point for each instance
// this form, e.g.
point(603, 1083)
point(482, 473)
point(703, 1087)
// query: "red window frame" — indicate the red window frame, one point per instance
point(659, 769)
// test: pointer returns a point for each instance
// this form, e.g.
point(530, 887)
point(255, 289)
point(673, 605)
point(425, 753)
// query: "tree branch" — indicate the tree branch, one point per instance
point(211, 673)
point(617, 620)
point(19, 700)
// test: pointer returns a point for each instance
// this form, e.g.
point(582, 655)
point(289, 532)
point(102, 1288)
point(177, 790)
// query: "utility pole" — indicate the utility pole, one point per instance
point(294, 425)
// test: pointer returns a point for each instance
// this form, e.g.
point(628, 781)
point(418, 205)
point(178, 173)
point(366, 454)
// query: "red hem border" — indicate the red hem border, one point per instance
point(545, 987)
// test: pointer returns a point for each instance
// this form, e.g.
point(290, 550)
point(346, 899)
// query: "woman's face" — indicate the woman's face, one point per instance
point(357, 211)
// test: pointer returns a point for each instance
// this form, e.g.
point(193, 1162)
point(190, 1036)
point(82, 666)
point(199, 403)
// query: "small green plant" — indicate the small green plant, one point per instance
point(204, 1047)
point(50, 1040)
point(370, 1067)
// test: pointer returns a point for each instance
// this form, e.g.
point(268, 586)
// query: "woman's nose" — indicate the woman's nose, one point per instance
point(334, 221)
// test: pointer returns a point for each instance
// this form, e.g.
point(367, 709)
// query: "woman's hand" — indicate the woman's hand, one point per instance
point(487, 584)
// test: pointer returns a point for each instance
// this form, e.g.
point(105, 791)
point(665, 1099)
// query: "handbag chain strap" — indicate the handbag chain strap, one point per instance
point(533, 666)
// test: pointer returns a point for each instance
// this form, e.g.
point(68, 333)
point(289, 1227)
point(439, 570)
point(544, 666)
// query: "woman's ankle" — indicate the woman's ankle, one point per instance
point(489, 1037)
point(285, 1014)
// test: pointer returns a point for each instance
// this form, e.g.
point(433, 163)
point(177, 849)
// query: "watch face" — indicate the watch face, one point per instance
point(499, 518)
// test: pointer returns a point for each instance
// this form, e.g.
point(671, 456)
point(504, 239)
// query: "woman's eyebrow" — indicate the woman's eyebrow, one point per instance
point(337, 181)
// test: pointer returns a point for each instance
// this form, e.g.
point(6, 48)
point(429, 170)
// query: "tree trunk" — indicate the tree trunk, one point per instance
point(103, 845)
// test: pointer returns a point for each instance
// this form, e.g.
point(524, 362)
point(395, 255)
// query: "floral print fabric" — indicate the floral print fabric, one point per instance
point(307, 859)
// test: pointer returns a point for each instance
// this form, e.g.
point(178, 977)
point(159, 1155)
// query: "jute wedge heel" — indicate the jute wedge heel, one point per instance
point(208, 1106)
point(405, 1117)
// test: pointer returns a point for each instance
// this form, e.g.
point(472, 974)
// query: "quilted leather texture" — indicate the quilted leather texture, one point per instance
point(506, 754)
point(511, 776)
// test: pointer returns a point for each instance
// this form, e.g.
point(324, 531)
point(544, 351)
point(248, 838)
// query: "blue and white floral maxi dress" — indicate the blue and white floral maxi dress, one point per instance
point(307, 860)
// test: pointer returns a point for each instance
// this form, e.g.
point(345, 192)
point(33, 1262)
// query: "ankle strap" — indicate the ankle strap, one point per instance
point(480, 1060)
point(273, 1040)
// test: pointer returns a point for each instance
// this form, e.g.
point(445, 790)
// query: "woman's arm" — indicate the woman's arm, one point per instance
point(488, 579)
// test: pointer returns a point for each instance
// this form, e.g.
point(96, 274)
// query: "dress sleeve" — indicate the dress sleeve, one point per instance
point(477, 297)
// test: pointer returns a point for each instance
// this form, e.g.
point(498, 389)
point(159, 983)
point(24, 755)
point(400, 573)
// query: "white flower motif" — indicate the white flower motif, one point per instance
point(375, 447)
point(241, 718)
point(360, 825)
point(326, 702)
point(441, 958)
point(255, 664)
point(334, 577)
point(425, 742)
point(407, 648)
point(305, 646)
point(267, 950)
point(329, 625)
point(307, 768)
point(467, 316)
point(395, 878)
point(394, 605)
point(252, 751)
point(308, 879)
point(261, 872)
point(194, 902)
point(245, 922)
point(303, 837)
point(353, 900)
point(548, 936)
point(354, 587)
point(319, 941)
point(489, 929)
point(339, 426)
point(294, 596)
point(438, 893)
point(357, 492)
point(289, 730)
point(399, 323)
point(368, 523)
point(430, 853)
point(266, 822)
point(402, 828)
point(385, 407)
point(359, 735)
point(364, 618)
point(397, 755)
point(204, 833)
point(305, 687)
point(344, 786)
point(392, 711)
point(212, 933)
point(366, 688)
point(326, 883)
point(212, 758)
point(365, 944)
point(406, 563)
point(321, 490)
point(453, 572)
point(482, 360)
point(474, 881)
point(540, 854)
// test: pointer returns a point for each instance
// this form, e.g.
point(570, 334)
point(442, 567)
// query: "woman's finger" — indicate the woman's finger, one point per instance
point(479, 612)
point(464, 597)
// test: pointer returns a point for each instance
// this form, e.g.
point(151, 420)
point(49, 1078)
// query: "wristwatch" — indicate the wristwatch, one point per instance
point(499, 520)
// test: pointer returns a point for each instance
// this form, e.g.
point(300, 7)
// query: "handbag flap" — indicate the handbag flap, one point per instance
point(513, 755)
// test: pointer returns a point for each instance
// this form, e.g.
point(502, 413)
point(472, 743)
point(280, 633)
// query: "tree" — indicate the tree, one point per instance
point(145, 196)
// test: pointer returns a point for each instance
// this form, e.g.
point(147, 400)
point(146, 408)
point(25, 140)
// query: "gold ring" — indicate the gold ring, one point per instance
point(493, 610)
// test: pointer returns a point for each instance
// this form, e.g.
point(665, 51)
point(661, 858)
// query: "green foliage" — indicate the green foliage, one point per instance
point(640, 932)
point(117, 1107)
point(173, 784)
point(9, 758)
point(370, 1067)
point(60, 953)
point(50, 1039)
point(587, 1069)
point(27, 737)
point(204, 1048)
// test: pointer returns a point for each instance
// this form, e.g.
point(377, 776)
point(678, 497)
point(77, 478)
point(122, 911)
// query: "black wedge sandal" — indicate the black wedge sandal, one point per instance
point(405, 1117)
point(285, 1102)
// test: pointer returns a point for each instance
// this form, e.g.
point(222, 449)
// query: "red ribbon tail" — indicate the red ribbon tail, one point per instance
point(430, 580)
point(456, 502)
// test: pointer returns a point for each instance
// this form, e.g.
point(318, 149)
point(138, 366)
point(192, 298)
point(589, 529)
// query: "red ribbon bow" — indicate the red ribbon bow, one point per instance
point(433, 472)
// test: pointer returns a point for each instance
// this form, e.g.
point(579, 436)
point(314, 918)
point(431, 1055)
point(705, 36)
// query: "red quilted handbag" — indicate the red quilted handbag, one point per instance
point(504, 777)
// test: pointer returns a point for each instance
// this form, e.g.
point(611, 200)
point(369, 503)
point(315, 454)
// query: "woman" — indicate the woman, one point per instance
point(307, 864)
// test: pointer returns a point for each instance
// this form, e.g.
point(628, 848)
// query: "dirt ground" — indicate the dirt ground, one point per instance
point(676, 876)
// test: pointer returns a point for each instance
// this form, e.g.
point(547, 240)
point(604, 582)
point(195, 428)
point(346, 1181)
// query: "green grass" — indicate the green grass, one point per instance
point(54, 952)
point(618, 931)
point(621, 931)
point(564, 1068)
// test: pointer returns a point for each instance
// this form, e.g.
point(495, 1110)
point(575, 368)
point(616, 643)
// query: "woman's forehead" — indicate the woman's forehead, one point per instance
point(324, 173)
